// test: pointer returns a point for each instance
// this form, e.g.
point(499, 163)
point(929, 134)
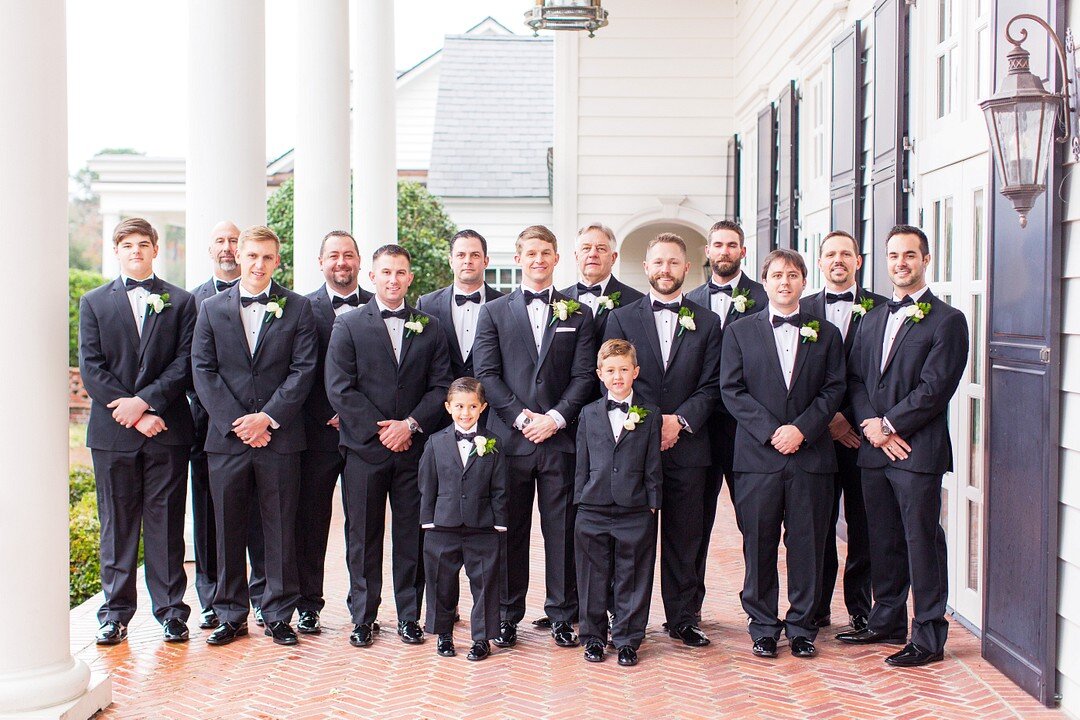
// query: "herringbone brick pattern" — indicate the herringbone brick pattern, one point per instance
point(324, 677)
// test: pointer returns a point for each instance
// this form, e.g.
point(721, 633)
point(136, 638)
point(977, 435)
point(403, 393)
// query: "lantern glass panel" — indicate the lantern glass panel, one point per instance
point(1004, 118)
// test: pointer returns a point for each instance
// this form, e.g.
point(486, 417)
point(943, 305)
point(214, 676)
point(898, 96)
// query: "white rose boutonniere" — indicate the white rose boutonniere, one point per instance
point(415, 325)
point(563, 309)
point(686, 321)
point(634, 417)
point(483, 445)
point(915, 313)
point(275, 308)
point(862, 307)
point(155, 303)
point(741, 300)
point(607, 302)
point(809, 331)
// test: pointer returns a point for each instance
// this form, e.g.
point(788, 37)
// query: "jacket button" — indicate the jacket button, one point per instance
point(462, 497)
point(881, 385)
point(141, 368)
point(614, 470)
point(539, 381)
point(255, 373)
point(400, 387)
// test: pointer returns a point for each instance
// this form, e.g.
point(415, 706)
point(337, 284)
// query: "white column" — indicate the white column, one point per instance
point(226, 164)
point(37, 672)
point(322, 134)
point(110, 267)
point(374, 133)
point(564, 210)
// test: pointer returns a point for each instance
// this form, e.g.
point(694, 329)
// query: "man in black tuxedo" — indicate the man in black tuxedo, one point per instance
point(731, 294)
point(678, 345)
point(843, 303)
point(535, 355)
point(254, 358)
point(387, 371)
point(222, 251)
point(134, 354)
point(908, 358)
point(322, 462)
point(596, 287)
point(782, 377)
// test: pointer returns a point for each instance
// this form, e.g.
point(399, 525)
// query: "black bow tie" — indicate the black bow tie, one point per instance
point(471, 298)
point(402, 314)
point(615, 405)
point(246, 300)
point(795, 320)
point(353, 300)
point(544, 295)
point(583, 289)
point(714, 288)
point(657, 306)
point(895, 305)
point(223, 285)
point(131, 283)
point(831, 298)
point(459, 436)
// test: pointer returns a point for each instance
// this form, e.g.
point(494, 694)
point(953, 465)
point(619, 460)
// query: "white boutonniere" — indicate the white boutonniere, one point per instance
point(862, 307)
point(634, 417)
point(741, 300)
point(415, 324)
point(563, 309)
point(686, 321)
point(607, 302)
point(915, 313)
point(483, 445)
point(809, 331)
point(275, 308)
point(155, 303)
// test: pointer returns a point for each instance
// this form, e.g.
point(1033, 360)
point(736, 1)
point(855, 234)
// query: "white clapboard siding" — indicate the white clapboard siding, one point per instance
point(1069, 535)
point(416, 117)
point(500, 220)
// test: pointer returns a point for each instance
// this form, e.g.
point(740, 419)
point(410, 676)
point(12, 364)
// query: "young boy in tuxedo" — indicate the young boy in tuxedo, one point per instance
point(463, 508)
point(617, 493)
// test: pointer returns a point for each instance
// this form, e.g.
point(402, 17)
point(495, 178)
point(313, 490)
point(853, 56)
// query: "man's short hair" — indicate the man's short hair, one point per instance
point(608, 232)
point(258, 233)
point(840, 233)
point(667, 237)
point(536, 232)
point(788, 257)
point(728, 225)
point(924, 244)
point(616, 347)
point(134, 226)
point(337, 233)
point(391, 249)
point(466, 233)
point(466, 385)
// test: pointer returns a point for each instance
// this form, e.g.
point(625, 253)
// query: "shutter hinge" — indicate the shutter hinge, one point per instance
point(1044, 355)
point(908, 186)
point(911, 3)
point(909, 144)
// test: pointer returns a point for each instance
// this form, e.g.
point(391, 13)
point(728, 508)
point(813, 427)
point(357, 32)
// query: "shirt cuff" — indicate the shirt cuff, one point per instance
point(555, 415)
point(273, 423)
point(428, 526)
point(500, 528)
point(519, 421)
point(685, 425)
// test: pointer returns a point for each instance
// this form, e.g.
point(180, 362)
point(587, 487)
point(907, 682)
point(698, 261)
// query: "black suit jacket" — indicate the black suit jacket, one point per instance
point(754, 392)
point(627, 295)
point(701, 296)
point(689, 386)
point(438, 304)
point(515, 377)
point(198, 413)
point(231, 382)
point(317, 410)
point(454, 495)
point(627, 472)
point(920, 377)
point(366, 384)
point(116, 363)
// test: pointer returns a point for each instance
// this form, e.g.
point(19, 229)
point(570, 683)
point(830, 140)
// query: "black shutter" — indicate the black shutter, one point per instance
point(847, 115)
point(1021, 562)
point(787, 177)
point(887, 183)
point(732, 211)
point(766, 182)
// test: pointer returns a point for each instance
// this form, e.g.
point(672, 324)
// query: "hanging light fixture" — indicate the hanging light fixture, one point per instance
point(1022, 117)
point(566, 15)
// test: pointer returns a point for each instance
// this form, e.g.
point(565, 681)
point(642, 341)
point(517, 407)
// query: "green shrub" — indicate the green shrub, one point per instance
point(81, 482)
point(79, 283)
point(85, 539)
point(279, 218)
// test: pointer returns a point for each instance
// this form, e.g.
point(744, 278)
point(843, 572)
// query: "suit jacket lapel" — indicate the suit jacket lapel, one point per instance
point(648, 322)
point(521, 314)
point(150, 320)
point(853, 324)
point(676, 340)
point(269, 326)
point(234, 320)
point(445, 312)
point(450, 448)
point(802, 349)
point(324, 309)
point(905, 328)
point(818, 304)
point(549, 331)
point(378, 327)
point(407, 337)
point(768, 346)
point(123, 309)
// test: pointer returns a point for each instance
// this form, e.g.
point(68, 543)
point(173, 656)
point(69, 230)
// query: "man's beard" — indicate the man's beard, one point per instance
point(677, 283)
point(726, 269)
point(228, 266)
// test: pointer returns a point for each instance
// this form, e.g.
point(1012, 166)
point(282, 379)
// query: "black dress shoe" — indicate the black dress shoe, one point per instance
point(227, 632)
point(410, 632)
point(594, 651)
point(281, 631)
point(174, 630)
point(111, 632)
point(564, 634)
point(914, 656)
point(764, 647)
point(507, 635)
point(361, 636)
point(258, 616)
point(480, 650)
point(542, 622)
point(445, 645)
point(690, 635)
point(866, 636)
point(209, 619)
point(823, 621)
point(859, 622)
point(627, 656)
point(308, 623)
point(803, 647)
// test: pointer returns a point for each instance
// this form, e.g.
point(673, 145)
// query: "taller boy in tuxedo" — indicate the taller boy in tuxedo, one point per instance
point(387, 370)
point(254, 362)
point(843, 303)
point(782, 377)
point(534, 354)
point(908, 358)
point(134, 354)
point(679, 356)
point(322, 462)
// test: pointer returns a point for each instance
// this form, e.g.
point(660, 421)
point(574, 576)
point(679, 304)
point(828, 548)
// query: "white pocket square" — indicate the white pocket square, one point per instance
point(565, 329)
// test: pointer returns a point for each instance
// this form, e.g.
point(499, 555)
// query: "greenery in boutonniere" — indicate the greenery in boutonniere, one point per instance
point(634, 417)
point(686, 321)
point(862, 307)
point(275, 308)
point(607, 302)
point(482, 446)
point(741, 300)
point(155, 303)
point(562, 309)
point(915, 313)
point(416, 324)
point(809, 331)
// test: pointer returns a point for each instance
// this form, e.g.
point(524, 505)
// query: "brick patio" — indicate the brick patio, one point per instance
point(324, 677)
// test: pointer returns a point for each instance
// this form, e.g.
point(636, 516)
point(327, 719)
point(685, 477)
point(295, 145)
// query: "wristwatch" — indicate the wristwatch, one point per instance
point(886, 428)
point(413, 425)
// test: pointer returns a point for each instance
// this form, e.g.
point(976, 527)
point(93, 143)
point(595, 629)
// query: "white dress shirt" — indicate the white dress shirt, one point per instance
point(617, 417)
point(253, 317)
point(465, 447)
point(787, 344)
point(465, 317)
point(137, 299)
point(590, 300)
point(394, 326)
point(341, 309)
point(893, 325)
point(539, 316)
point(721, 302)
point(839, 312)
point(667, 323)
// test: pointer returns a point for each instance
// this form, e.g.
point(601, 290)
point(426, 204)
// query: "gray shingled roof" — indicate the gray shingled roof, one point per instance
point(494, 117)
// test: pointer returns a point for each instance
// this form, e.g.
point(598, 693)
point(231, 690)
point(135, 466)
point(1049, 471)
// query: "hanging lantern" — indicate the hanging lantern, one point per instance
point(566, 15)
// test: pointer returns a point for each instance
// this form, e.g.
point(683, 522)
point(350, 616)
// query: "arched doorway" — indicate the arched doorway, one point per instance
point(635, 234)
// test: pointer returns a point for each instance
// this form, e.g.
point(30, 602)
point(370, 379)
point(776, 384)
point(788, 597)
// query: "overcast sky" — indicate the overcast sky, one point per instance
point(127, 66)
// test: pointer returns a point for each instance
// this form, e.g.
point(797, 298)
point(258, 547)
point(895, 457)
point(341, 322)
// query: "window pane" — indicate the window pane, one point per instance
point(975, 479)
point(947, 244)
point(976, 354)
point(974, 521)
point(944, 519)
point(978, 237)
